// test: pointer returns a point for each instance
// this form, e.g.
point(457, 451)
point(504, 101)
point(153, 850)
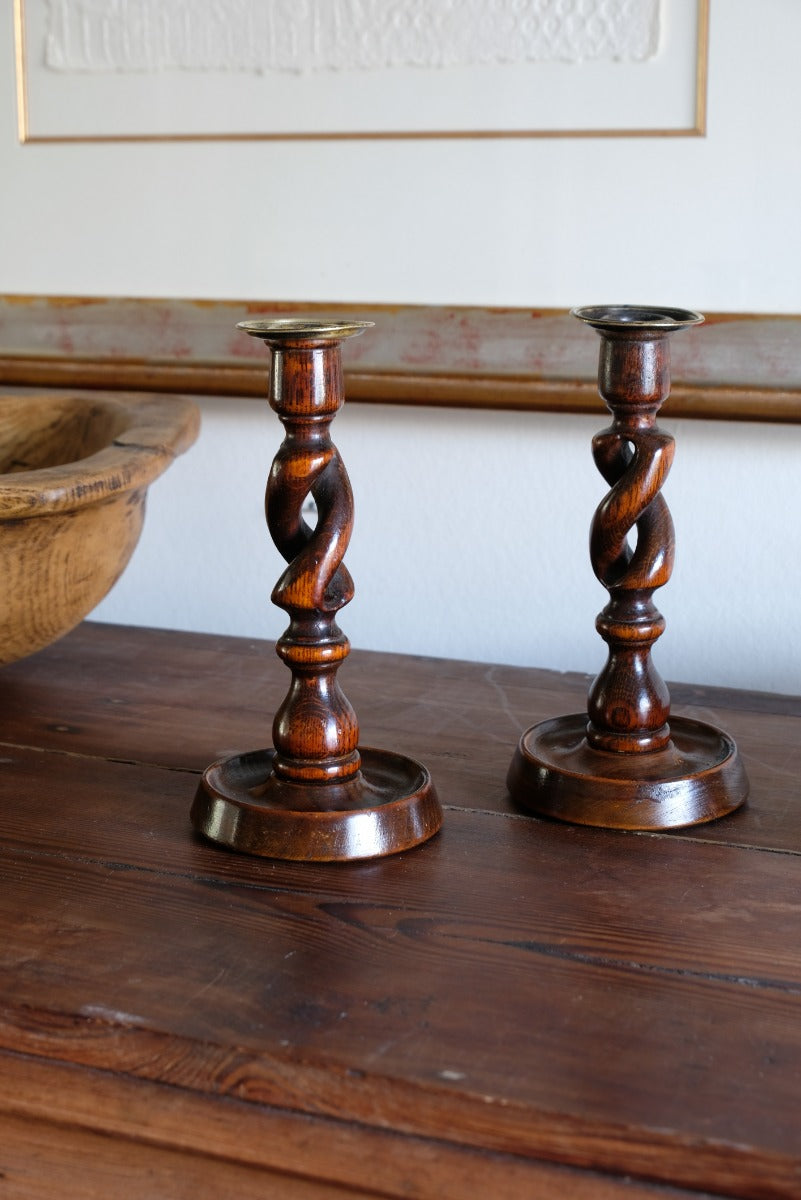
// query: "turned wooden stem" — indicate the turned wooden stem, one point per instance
point(629, 704)
point(628, 767)
point(315, 795)
point(315, 731)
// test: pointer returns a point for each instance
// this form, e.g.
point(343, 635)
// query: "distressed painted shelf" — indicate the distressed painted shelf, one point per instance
point(734, 367)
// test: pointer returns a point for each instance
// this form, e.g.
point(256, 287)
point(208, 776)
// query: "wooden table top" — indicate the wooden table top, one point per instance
point(516, 1008)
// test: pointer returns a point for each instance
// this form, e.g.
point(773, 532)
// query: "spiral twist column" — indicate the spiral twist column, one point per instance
point(629, 703)
point(624, 763)
point(315, 731)
point(315, 795)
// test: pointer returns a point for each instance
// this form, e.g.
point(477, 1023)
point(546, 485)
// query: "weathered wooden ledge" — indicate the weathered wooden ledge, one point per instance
point(741, 367)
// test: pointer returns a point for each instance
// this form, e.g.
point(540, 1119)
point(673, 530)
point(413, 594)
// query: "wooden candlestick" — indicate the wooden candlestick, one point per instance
point(316, 795)
point(624, 764)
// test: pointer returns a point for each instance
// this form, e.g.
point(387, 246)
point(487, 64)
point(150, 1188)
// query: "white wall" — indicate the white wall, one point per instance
point(709, 223)
point(471, 527)
point(471, 540)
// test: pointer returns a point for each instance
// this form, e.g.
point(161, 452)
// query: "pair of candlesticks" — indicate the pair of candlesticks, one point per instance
point(625, 763)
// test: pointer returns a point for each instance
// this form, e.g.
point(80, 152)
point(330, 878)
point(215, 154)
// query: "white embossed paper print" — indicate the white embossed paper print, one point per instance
point(108, 69)
point(343, 35)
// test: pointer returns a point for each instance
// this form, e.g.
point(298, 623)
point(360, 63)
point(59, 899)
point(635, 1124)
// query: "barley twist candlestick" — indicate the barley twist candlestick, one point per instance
point(316, 796)
point(625, 764)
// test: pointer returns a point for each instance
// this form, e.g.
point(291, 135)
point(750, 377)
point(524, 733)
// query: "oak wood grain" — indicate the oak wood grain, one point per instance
point(290, 1146)
point(42, 1159)
point(517, 1007)
point(626, 762)
point(145, 697)
point(588, 915)
point(320, 794)
point(371, 1003)
point(346, 1013)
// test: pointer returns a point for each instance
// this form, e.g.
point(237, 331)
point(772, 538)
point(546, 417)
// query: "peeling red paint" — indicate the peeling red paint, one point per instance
point(521, 345)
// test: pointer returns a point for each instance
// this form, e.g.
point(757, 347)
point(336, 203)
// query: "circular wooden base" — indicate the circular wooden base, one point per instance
point(697, 777)
point(391, 805)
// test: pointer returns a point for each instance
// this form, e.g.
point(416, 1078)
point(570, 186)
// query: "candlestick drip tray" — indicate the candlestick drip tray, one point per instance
point(389, 802)
point(696, 777)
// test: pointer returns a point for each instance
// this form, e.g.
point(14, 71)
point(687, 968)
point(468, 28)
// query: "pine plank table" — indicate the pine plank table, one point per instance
point(518, 1008)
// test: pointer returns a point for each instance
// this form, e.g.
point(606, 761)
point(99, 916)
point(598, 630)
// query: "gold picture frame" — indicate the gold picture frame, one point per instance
point(34, 83)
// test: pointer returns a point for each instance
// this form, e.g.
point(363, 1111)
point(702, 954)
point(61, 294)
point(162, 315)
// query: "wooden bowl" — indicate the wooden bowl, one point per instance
point(74, 474)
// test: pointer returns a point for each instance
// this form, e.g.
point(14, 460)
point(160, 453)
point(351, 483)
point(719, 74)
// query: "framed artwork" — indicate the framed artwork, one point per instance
point(103, 70)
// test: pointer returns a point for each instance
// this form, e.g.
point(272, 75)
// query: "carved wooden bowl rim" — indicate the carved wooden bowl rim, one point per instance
point(150, 433)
